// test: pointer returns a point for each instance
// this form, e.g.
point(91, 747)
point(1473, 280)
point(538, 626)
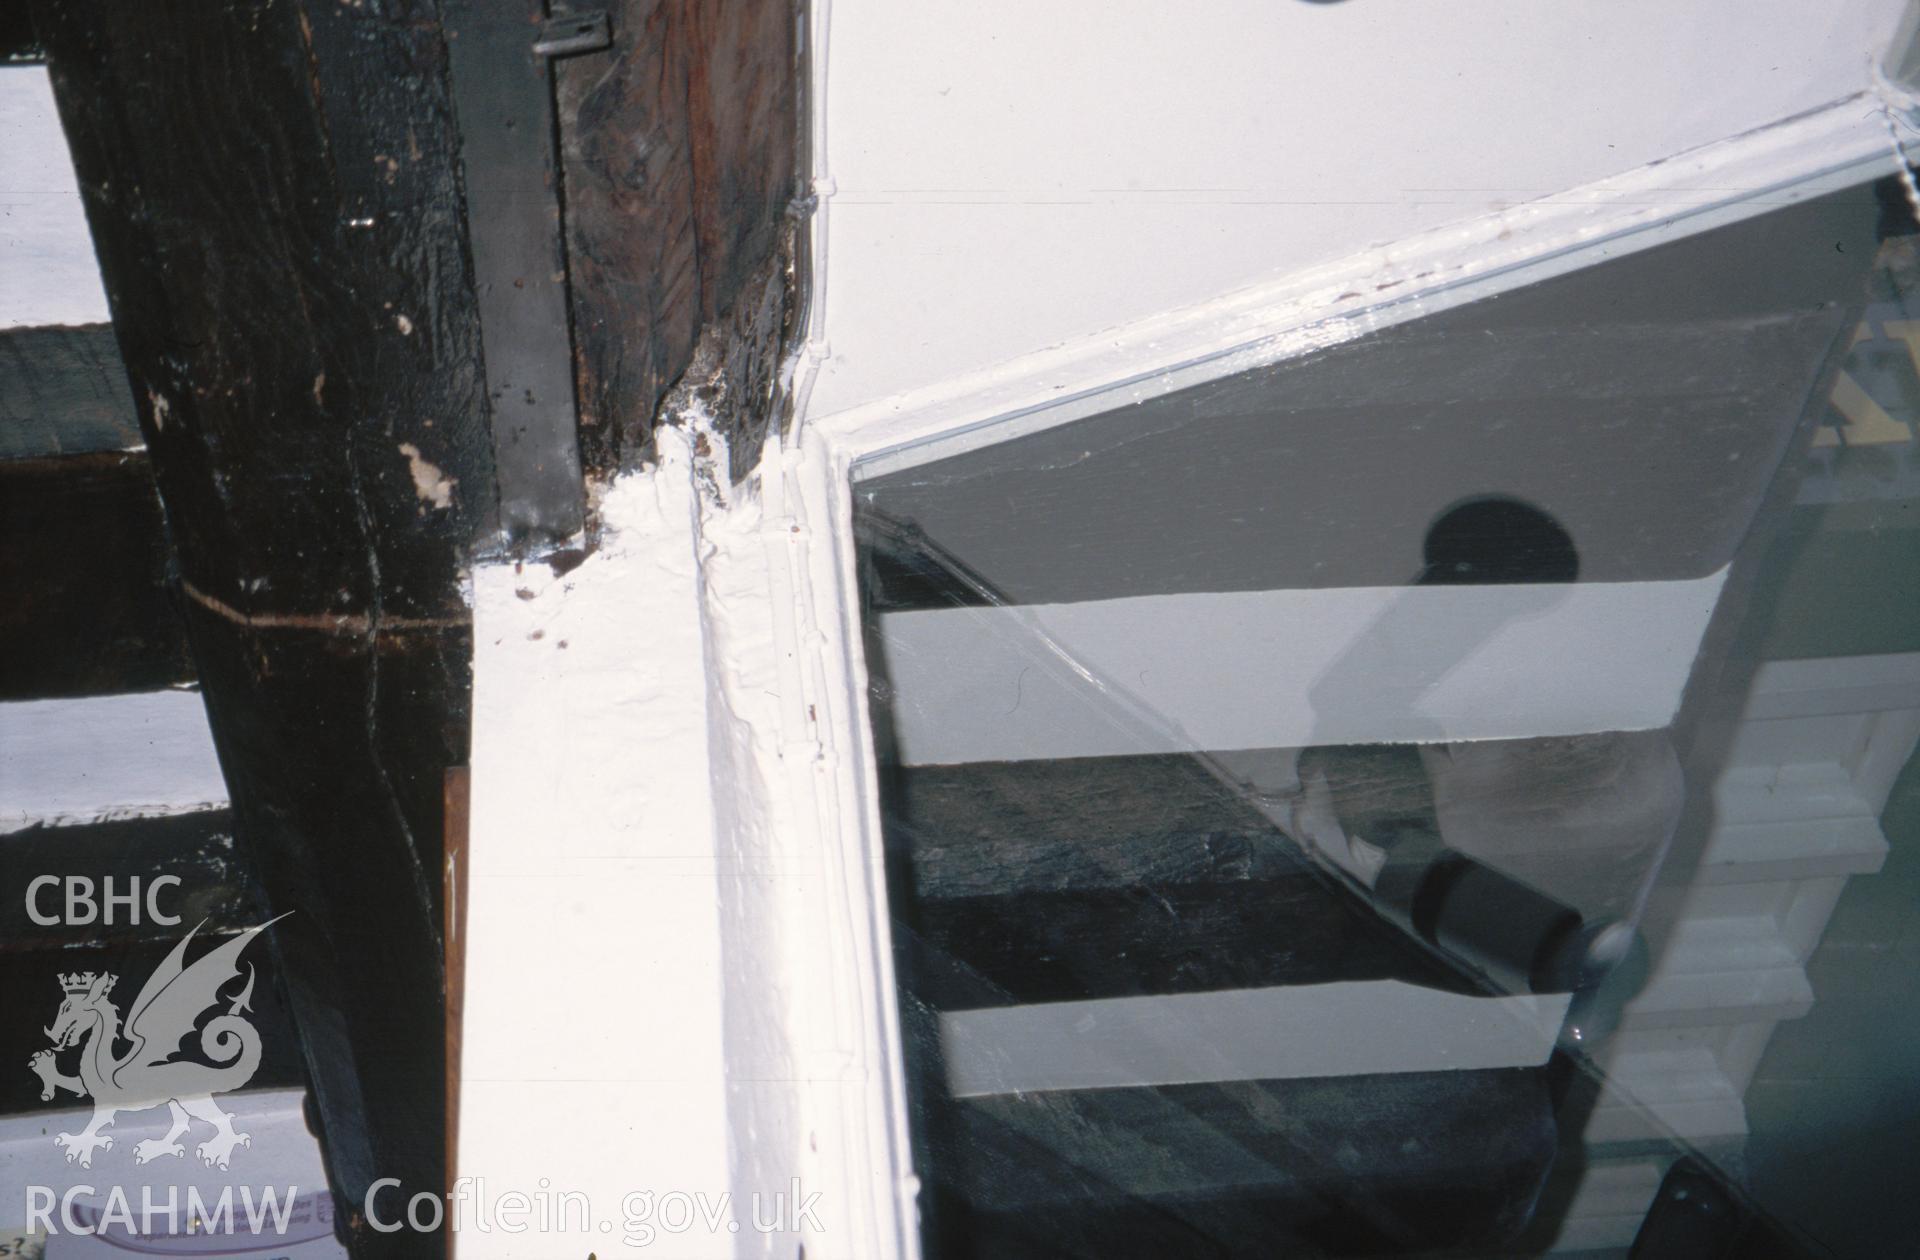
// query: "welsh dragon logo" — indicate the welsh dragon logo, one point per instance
point(170, 1007)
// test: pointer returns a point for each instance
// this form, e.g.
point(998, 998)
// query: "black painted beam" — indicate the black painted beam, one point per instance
point(209, 884)
point(503, 92)
point(30, 979)
point(275, 203)
point(83, 558)
point(83, 551)
point(183, 873)
point(281, 212)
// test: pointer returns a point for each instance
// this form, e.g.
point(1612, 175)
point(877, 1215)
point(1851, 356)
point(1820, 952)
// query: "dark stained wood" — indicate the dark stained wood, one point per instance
point(680, 154)
point(1362, 1165)
point(63, 391)
point(214, 898)
point(1026, 883)
point(274, 201)
point(17, 40)
point(83, 560)
point(334, 748)
point(197, 849)
point(1168, 938)
point(30, 979)
point(1000, 828)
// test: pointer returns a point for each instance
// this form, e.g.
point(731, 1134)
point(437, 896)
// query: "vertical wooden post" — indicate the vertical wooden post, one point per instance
point(274, 197)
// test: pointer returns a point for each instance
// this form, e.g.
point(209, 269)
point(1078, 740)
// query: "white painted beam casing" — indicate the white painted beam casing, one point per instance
point(676, 983)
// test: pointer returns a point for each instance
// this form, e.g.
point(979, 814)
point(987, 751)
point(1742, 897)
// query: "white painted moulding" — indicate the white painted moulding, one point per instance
point(1289, 669)
point(1652, 1094)
point(818, 641)
point(1610, 1204)
point(1723, 971)
point(142, 754)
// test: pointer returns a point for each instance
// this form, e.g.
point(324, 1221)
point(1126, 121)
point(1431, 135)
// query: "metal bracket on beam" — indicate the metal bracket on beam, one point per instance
point(500, 53)
point(575, 33)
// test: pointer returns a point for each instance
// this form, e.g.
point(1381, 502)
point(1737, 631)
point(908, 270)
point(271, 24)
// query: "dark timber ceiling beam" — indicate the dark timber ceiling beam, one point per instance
point(299, 235)
point(274, 198)
point(63, 391)
point(90, 609)
point(681, 149)
point(188, 867)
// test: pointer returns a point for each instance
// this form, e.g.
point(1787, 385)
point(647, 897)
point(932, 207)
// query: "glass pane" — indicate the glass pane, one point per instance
point(1446, 791)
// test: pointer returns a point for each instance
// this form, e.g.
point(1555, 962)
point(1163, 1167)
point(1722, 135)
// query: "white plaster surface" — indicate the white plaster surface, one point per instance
point(48, 274)
point(665, 986)
point(1002, 177)
point(127, 756)
point(593, 1046)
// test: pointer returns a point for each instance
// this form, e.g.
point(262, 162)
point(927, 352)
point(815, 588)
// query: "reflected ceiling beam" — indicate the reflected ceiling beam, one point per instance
point(90, 610)
point(1289, 669)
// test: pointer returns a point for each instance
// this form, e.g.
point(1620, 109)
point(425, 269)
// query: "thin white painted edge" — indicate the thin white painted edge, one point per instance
point(142, 754)
point(830, 763)
point(1834, 147)
point(1347, 1028)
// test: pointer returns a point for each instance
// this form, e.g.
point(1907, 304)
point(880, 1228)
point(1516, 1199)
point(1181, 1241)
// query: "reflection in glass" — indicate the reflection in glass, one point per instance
point(1427, 795)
